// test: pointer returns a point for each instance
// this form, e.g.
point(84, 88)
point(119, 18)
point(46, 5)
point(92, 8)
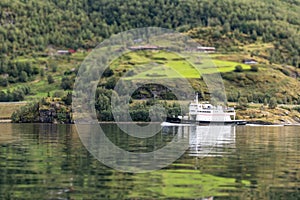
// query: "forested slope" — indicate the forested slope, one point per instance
point(31, 30)
point(32, 25)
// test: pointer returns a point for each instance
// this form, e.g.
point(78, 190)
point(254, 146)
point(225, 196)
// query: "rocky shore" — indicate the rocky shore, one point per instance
point(48, 110)
point(51, 110)
point(265, 116)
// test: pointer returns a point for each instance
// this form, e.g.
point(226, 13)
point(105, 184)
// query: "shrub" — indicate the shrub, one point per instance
point(58, 94)
point(273, 103)
point(297, 108)
point(50, 79)
point(66, 83)
point(111, 83)
point(238, 68)
point(243, 103)
point(18, 95)
point(23, 77)
point(254, 68)
point(42, 72)
point(28, 113)
point(3, 96)
point(108, 72)
point(258, 97)
point(265, 102)
point(233, 96)
point(3, 82)
point(286, 72)
point(68, 99)
point(229, 76)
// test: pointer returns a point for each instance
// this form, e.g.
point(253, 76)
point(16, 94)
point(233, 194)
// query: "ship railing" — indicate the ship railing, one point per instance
point(223, 109)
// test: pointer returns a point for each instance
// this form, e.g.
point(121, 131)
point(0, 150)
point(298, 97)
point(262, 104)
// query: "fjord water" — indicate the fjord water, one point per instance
point(42, 161)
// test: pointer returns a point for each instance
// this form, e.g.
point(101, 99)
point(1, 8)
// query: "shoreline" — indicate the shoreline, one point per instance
point(249, 123)
point(254, 114)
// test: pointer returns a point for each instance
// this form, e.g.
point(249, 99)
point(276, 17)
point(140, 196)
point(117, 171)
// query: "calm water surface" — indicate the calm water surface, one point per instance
point(39, 161)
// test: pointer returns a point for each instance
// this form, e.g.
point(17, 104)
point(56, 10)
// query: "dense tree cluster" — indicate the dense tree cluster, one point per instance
point(67, 83)
point(34, 27)
point(17, 94)
point(138, 110)
point(30, 25)
point(13, 72)
point(44, 111)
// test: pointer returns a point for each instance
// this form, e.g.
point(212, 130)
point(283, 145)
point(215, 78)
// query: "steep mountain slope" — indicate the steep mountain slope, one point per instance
point(31, 31)
point(33, 25)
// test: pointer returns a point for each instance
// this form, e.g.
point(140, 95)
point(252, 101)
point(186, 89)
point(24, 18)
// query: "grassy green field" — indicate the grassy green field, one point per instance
point(161, 64)
point(137, 64)
point(39, 86)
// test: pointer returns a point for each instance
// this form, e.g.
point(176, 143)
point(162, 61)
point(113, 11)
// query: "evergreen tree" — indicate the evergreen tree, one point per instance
point(50, 79)
point(273, 103)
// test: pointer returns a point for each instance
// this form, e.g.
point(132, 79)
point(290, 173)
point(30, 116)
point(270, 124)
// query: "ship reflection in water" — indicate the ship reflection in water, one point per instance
point(213, 140)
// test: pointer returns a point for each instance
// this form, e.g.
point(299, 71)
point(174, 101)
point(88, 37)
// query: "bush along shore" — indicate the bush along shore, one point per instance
point(58, 110)
point(260, 114)
point(47, 110)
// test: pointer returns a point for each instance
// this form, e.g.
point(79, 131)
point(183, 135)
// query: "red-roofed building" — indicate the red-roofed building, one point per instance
point(72, 51)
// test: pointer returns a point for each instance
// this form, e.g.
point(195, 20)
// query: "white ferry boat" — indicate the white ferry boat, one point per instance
point(204, 112)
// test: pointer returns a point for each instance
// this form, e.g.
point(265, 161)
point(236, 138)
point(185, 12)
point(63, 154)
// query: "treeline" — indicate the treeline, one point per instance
point(22, 71)
point(30, 25)
point(259, 97)
point(13, 72)
point(17, 94)
point(254, 87)
point(47, 110)
point(54, 109)
point(138, 109)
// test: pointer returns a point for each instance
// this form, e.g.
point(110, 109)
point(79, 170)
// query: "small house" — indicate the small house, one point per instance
point(206, 49)
point(249, 61)
point(71, 51)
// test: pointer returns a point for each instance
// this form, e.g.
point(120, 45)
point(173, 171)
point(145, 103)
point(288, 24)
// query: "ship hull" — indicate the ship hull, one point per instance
point(176, 120)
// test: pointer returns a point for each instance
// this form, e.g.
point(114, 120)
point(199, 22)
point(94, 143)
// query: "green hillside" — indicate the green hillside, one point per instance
point(32, 32)
point(34, 26)
point(256, 82)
